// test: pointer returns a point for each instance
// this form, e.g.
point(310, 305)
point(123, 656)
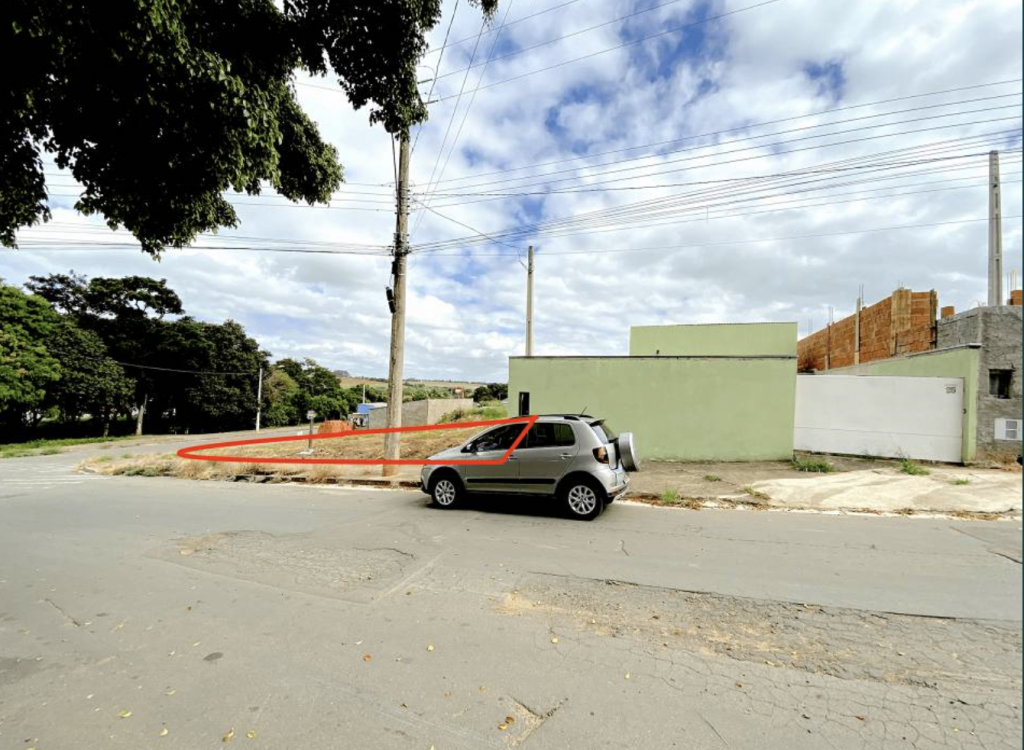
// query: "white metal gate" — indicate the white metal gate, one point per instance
point(867, 415)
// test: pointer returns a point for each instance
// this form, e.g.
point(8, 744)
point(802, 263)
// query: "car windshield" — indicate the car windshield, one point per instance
point(604, 433)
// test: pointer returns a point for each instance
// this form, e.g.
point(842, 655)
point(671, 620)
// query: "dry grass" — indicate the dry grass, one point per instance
point(415, 445)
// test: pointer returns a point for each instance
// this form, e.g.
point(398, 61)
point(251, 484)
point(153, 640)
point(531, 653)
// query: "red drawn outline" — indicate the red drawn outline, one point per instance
point(527, 422)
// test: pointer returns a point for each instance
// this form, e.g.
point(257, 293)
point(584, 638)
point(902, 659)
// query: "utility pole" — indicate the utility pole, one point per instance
point(396, 362)
point(529, 304)
point(259, 399)
point(995, 233)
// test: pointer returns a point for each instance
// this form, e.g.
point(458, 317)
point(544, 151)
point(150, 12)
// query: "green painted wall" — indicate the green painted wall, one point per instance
point(717, 340)
point(950, 363)
point(691, 409)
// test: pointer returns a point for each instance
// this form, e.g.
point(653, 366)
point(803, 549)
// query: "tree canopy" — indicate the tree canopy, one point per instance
point(159, 106)
point(87, 355)
point(27, 367)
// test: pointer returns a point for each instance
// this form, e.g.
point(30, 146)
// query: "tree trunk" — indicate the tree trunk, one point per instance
point(142, 412)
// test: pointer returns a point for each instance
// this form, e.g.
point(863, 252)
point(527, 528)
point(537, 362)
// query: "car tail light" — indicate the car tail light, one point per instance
point(601, 454)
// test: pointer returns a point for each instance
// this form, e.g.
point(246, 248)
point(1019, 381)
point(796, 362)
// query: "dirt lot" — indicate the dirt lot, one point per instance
point(415, 445)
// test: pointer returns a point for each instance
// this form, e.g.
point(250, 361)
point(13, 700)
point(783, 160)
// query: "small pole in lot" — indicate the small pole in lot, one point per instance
point(259, 399)
point(310, 415)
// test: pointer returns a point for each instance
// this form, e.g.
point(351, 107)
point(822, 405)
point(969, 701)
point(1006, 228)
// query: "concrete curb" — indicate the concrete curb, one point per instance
point(395, 483)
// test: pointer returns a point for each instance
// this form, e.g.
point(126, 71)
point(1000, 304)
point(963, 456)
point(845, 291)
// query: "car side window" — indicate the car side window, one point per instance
point(498, 439)
point(550, 435)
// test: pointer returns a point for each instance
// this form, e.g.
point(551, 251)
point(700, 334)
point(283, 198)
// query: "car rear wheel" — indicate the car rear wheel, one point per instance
point(445, 492)
point(583, 500)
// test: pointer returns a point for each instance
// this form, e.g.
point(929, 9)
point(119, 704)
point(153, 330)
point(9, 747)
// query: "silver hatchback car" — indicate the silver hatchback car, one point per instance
point(572, 457)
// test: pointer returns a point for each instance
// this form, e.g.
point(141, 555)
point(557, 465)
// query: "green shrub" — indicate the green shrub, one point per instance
point(960, 481)
point(669, 496)
point(712, 478)
point(909, 467)
point(817, 466)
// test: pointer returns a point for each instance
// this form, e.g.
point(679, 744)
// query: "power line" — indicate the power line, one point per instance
point(644, 207)
point(591, 186)
point(104, 230)
point(465, 114)
point(451, 120)
point(720, 144)
point(753, 241)
point(512, 23)
point(265, 205)
point(864, 162)
point(566, 36)
point(738, 128)
point(48, 244)
point(465, 226)
point(167, 369)
point(432, 84)
point(621, 46)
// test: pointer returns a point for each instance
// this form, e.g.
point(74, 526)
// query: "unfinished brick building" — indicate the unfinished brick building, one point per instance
point(904, 323)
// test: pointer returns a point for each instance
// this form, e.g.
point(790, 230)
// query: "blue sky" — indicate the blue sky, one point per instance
point(790, 59)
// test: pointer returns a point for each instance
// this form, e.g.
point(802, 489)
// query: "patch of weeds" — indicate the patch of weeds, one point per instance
point(126, 455)
point(961, 481)
point(50, 450)
point(103, 459)
point(756, 494)
point(669, 497)
point(142, 471)
point(712, 478)
point(813, 465)
point(909, 467)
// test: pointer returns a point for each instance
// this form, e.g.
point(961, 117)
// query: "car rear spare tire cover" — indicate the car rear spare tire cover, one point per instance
point(628, 453)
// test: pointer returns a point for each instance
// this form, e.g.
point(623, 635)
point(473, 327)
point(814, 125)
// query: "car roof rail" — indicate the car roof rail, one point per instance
point(575, 417)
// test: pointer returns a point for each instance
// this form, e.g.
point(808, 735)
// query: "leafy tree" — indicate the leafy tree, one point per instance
point(491, 392)
point(159, 106)
point(318, 389)
point(27, 368)
point(65, 291)
point(220, 391)
point(128, 314)
point(90, 382)
point(280, 394)
point(128, 297)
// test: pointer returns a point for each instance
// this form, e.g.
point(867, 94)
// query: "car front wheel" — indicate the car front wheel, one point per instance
point(445, 492)
point(583, 500)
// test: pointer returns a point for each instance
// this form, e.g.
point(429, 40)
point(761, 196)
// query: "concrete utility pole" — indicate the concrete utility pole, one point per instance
point(529, 304)
point(396, 363)
point(259, 399)
point(995, 232)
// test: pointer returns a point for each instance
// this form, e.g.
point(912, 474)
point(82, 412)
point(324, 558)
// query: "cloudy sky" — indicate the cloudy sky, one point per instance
point(671, 162)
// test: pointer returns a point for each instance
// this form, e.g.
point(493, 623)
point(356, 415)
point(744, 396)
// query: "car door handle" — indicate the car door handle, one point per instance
point(513, 457)
point(565, 455)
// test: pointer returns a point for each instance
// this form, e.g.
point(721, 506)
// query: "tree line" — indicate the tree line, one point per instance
point(106, 356)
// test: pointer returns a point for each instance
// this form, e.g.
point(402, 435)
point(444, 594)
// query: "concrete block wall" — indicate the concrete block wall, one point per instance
point(998, 330)
point(426, 411)
point(901, 324)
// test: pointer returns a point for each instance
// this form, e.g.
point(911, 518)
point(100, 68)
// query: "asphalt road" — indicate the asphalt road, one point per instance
point(317, 617)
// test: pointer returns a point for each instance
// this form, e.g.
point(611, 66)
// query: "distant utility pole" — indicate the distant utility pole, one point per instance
point(259, 399)
point(396, 362)
point(995, 233)
point(529, 304)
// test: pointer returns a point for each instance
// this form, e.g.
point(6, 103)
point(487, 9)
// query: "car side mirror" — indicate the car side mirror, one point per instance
point(468, 448)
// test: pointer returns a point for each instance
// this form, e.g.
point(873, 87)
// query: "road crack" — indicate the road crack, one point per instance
point(63, 613)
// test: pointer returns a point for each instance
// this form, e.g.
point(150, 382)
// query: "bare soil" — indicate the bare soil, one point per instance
point(415, 445)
